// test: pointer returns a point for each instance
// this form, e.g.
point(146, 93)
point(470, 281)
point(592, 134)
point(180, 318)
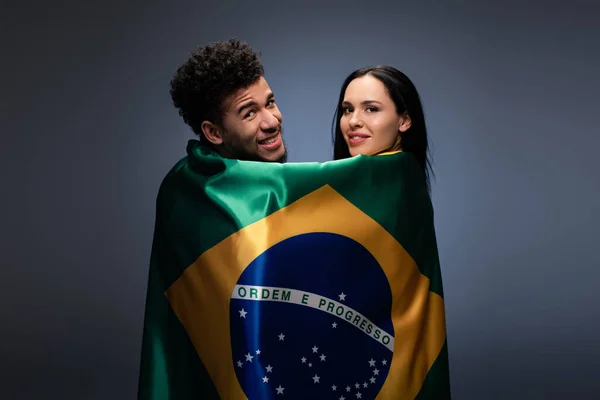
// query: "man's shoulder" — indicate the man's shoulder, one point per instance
point(173, 177)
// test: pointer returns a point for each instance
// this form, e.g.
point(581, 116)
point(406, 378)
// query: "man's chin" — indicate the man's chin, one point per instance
point(280, 155)
point(275, 158)
point(283, 159)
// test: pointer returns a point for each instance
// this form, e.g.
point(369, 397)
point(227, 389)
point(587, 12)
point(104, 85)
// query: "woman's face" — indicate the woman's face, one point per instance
point(369, 121)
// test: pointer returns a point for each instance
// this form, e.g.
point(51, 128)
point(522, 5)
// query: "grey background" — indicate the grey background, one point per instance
point(88, 132)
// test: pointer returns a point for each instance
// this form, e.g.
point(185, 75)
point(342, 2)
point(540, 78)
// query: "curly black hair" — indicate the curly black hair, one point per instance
point(212, 73)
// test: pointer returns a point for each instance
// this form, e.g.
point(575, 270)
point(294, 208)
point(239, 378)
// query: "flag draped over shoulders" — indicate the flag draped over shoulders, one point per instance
point(297, 280)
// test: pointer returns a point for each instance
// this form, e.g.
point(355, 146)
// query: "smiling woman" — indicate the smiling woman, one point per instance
point(379, 110)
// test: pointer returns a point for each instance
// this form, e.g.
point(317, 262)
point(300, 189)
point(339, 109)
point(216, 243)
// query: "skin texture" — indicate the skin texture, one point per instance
point(370, 123)
point(250, 117)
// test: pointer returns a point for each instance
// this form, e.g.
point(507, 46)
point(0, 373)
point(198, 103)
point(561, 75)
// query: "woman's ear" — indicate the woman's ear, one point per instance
point(404, 122)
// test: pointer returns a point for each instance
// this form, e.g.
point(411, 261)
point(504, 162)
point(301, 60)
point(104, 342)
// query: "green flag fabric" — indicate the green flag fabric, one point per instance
point(294, 281)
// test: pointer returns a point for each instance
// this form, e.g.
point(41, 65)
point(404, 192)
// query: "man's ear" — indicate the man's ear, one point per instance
point(212, 132)
point(405, 122)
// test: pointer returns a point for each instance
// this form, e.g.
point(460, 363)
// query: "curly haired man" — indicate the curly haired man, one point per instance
point(221, 93)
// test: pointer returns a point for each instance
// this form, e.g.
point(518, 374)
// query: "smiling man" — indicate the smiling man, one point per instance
point(222, 94)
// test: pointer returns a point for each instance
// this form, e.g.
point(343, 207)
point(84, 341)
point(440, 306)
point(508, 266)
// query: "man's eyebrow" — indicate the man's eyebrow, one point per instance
point(253, 103)
point(245, 106)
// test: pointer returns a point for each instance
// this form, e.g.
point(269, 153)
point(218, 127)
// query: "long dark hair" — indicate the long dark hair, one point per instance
point(407, 100)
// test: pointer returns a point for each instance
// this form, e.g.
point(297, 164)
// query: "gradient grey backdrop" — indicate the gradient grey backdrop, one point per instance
point(88, 132)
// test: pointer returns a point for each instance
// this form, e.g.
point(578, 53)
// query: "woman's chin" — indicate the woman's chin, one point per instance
point(371, 152)
point(361, 152)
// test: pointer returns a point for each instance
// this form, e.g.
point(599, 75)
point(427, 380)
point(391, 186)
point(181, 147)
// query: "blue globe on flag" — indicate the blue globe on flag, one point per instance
point(311, 319)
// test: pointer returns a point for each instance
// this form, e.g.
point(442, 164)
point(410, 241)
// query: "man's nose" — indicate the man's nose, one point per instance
point(270, 121)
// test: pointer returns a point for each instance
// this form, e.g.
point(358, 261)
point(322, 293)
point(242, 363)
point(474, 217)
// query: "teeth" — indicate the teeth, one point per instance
point(270, 140)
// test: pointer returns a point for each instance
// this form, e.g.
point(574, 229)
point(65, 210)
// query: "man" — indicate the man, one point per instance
point(222, 94)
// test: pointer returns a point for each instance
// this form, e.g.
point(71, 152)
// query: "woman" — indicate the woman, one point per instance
point(379, 110)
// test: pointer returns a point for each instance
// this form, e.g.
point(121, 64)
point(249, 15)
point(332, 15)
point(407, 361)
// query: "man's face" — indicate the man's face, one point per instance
point(251, 125)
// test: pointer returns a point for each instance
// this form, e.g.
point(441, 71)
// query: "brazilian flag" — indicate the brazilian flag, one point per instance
point(294, 281)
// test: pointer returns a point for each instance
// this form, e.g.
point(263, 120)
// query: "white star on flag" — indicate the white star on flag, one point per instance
point(268, 370)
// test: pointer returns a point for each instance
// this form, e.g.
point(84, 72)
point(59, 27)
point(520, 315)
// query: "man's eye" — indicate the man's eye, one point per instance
point(249, 114)
point(270, 102)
